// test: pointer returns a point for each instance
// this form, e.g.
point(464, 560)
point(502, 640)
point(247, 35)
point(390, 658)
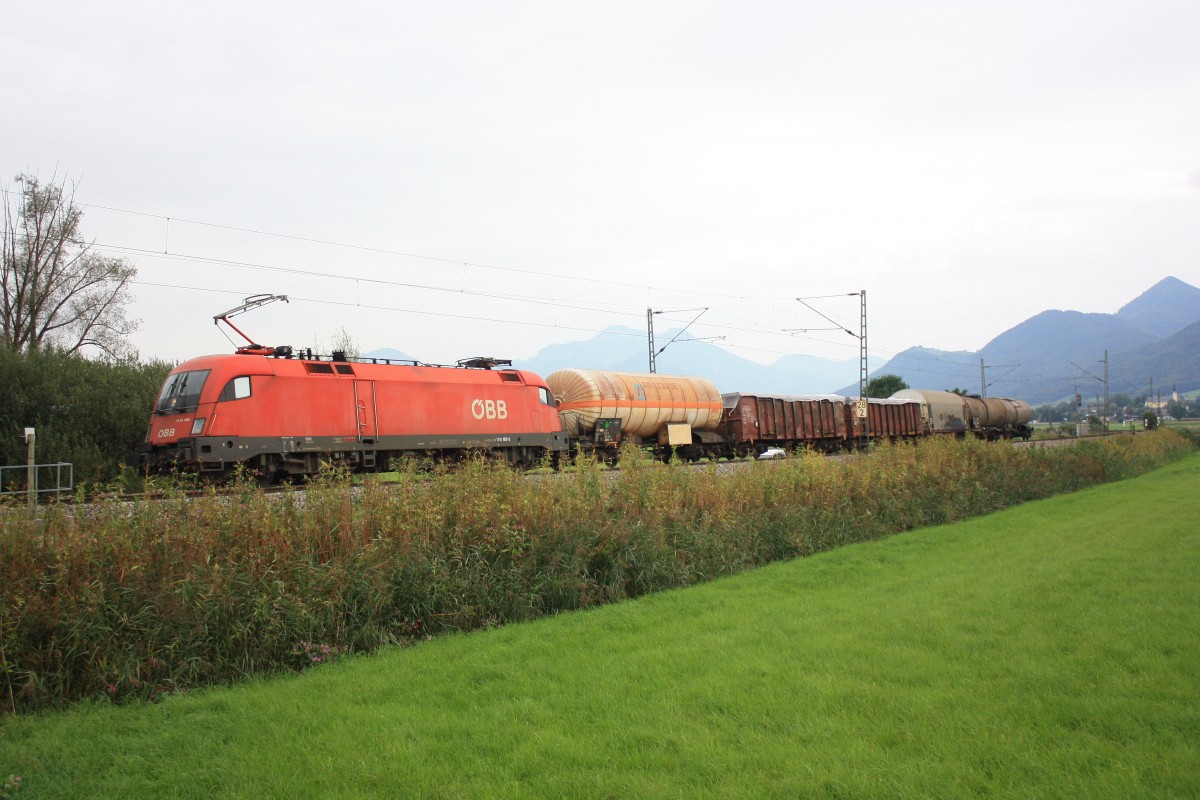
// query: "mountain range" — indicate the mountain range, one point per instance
point(1052, 355)
point(1045, 359)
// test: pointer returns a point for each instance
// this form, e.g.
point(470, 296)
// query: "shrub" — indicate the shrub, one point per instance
point(118, 600)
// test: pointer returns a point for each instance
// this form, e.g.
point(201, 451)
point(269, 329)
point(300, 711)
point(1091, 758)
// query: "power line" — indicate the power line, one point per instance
point(399, 310)
point(405, 254)
point(448, 315)
point(598, 307)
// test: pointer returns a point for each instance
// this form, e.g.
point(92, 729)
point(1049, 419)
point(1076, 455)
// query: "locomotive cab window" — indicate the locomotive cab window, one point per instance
point(236, 389)
point(181, 392)
point(545, 396)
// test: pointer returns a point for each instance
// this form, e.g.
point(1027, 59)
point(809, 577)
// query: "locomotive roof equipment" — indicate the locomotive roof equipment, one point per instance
point(253, 301)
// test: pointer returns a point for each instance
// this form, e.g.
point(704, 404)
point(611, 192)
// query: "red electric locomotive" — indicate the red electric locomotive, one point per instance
point(280, 413)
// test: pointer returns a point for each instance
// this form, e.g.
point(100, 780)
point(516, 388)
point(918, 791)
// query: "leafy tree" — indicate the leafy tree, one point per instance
point(885, 385)
point(958, 391)
point(87, 413)
point(1120, 403)
point(57, 292)
point(1048, 413)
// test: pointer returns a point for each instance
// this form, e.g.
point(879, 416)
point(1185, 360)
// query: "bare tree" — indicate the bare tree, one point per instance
point(344, 341)
point(57, 292)
point(341, 340)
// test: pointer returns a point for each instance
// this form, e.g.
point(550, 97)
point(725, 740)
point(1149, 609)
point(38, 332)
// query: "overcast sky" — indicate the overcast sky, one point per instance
point(486, 178)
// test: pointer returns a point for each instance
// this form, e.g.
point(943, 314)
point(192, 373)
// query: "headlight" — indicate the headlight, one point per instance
point(197, 426)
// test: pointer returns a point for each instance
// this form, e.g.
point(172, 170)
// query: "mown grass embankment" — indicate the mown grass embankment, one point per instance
point(136, 601)
point(1049, 650)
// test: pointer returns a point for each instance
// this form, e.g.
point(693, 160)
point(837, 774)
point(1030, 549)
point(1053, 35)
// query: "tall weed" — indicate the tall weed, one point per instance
point(119, 600)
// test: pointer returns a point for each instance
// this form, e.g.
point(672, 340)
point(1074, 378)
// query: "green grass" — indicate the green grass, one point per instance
point(1050, 650)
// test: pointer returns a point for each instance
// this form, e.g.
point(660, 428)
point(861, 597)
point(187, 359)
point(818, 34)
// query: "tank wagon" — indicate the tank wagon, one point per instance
point(671, 414)
point(989, 418)
point(280, 415)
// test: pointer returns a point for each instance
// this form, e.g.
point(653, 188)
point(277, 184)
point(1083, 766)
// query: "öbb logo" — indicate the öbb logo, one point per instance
point(489, 409)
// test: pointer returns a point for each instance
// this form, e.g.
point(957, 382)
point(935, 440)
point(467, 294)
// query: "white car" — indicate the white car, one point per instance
point(771, 453)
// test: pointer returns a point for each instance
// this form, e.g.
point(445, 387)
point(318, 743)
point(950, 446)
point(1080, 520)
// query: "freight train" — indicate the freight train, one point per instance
point(280, 414)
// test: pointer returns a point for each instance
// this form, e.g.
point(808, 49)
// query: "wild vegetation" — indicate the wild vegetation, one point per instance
point(1045, 651)
point(119, 600)
point(56, 291)
point(87, 413)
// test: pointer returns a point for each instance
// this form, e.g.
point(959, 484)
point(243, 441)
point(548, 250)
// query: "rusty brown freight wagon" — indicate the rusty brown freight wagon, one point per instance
point(755, 422)
point(894, 420)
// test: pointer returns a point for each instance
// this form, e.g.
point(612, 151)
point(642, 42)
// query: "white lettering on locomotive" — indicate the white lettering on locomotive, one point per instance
point(489, 409)
point(166, 433)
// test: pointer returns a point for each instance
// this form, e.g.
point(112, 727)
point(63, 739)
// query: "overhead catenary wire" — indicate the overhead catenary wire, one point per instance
point(503, 321)
point(598, 307)
point(406, 254)
point(594, 306)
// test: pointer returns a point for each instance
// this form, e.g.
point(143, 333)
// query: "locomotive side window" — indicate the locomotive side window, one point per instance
point(236, 389)
point(181, 391)
point(544, 396)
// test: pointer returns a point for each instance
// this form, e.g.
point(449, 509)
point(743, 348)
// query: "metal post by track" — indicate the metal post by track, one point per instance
point(31, 470)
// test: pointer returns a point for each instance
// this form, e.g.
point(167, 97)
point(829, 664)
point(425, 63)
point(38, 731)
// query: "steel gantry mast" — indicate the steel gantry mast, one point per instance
point(863, 369)
point(861, 406)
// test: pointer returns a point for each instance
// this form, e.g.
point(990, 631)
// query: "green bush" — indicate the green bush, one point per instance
point(117, 600)
point(87, 413)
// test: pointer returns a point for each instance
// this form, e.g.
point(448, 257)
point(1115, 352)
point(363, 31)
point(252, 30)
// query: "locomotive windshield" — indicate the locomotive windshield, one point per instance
point(181, 392)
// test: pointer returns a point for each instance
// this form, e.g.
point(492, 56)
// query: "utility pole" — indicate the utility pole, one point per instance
point(31, 470)
point(654, 353)
point(863, 369)
point(1104, 380)
point(650, 336)
point(983, 384)
point(1106, 391)
point(861, 407)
